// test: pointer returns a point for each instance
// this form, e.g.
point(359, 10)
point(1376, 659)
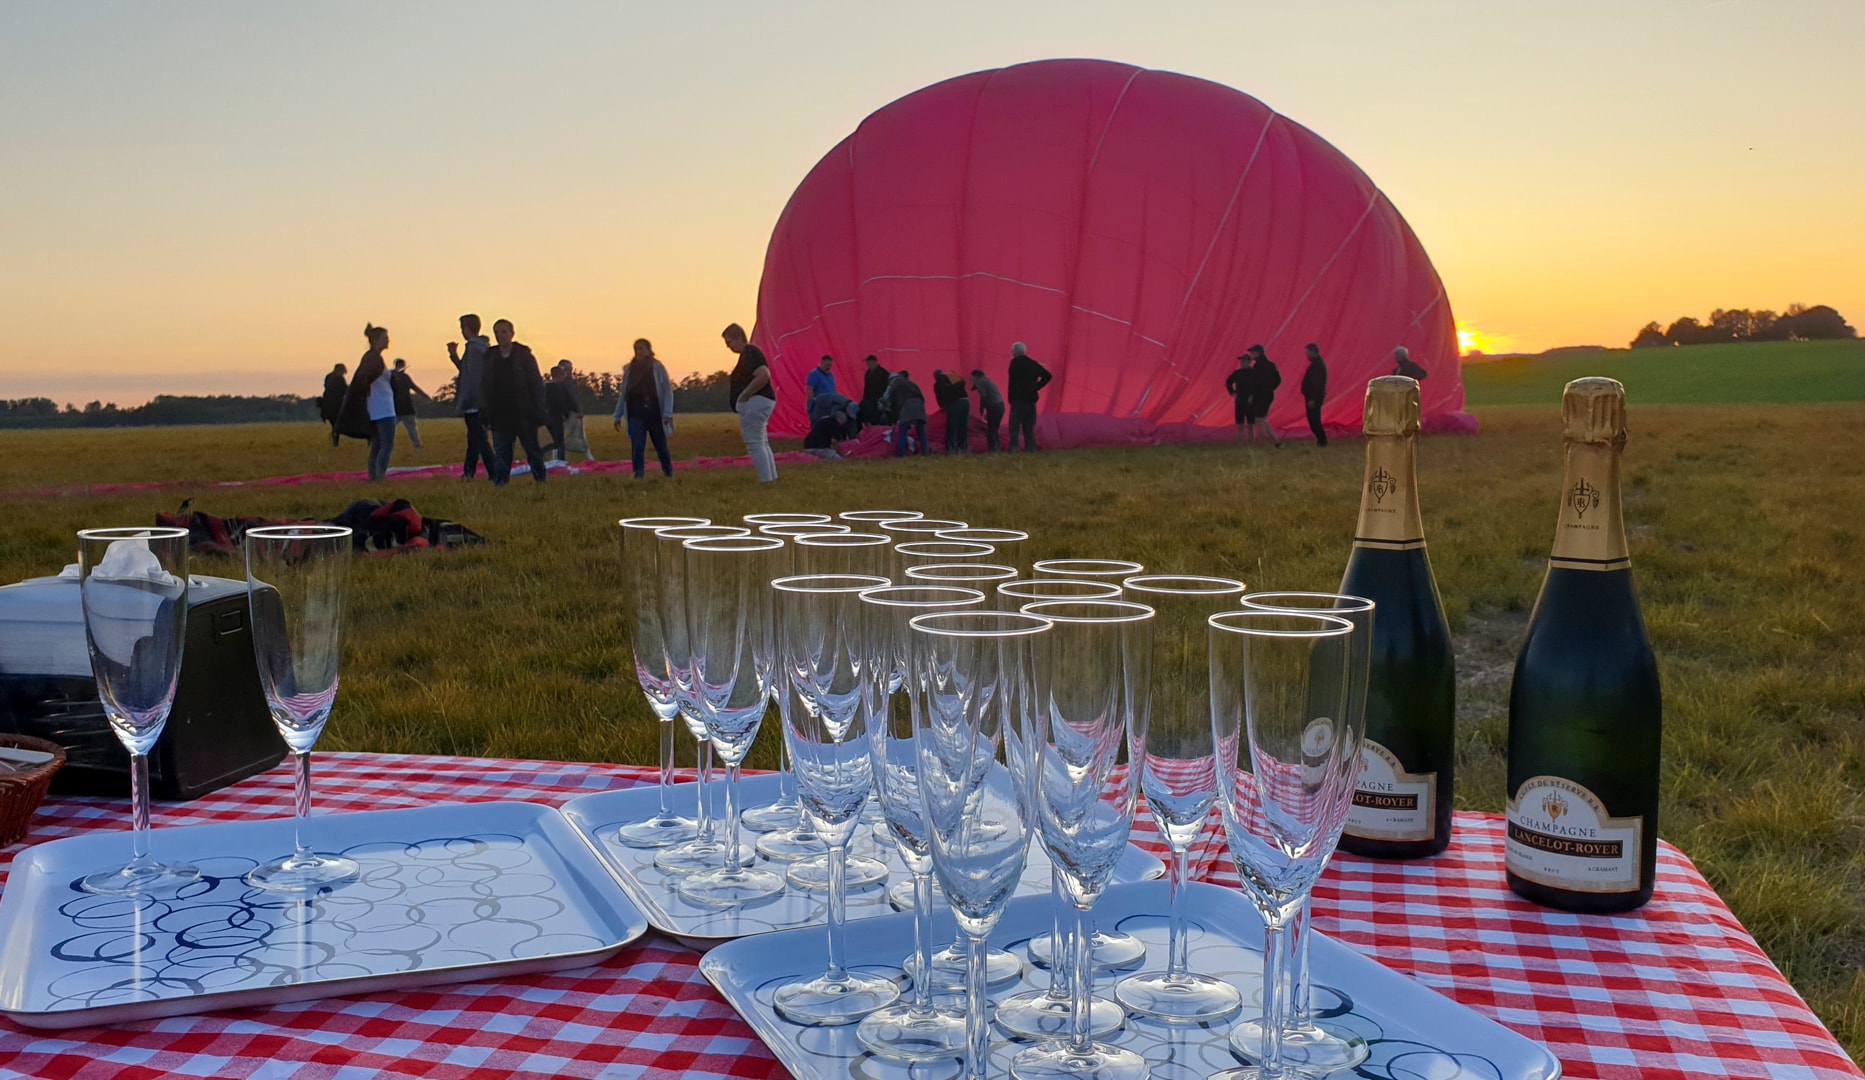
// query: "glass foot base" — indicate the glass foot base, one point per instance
point(899, 1033)
point(304, 875)
point(813, 874)
point(721, 887)
point(1115, 950)
point(149, 879)
point(824, 1002)
point(696, 856)
point(772, 818)
point(948, 975)
point(790, 845)
point(900, 895)
point(1312, 1049)
point(658, 831)
point(1036, 1015)
point(1054, 1061)
point(1178, 999)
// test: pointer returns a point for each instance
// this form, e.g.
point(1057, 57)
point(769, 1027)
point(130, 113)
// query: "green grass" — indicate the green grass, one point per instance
point(1746, 534)
point(1772, 372)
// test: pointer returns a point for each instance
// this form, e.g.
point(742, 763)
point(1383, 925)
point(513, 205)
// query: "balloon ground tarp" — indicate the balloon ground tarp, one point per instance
point(1136, 229)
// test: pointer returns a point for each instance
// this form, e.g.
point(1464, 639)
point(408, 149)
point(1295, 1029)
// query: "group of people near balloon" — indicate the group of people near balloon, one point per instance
point(1253, 385)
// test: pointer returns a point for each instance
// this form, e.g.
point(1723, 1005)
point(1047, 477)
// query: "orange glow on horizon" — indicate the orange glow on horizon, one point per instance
point(1473, 339)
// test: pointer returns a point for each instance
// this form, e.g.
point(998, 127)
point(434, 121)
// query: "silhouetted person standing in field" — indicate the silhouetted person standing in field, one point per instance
point(402, 384)
point(990, 406)
point(873, 387)
point(1255, 385)
point(557, 406)
point(1315, 392)
point(330, 405)
point(512, 403)
point(575, 439)
point(906, 403)
point(470, 371)
point(646, 404)
point(369, 404)
point(1402, 364)
point(753, 399)
point(1025, 382)
point(955, 402)
point(1237, 385)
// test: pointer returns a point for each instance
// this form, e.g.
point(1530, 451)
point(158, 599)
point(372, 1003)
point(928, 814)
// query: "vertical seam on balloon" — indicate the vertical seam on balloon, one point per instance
point(1087, 178)
point(961, 226)
point(1325, 267)
point(1217, 233)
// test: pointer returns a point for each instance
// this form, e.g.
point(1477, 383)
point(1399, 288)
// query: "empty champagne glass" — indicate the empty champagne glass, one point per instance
point(1008, 542)
point(1117, 569)
point(824, 657)
point(917, 528)
point(1308, 1044)
point(133, 586)
point(641, 595)
point(916, 1030)
point(1013, 595)
point(729, 630)
point(1095, 667)
point(926, 552)
point(758, 521)
point(869, 518)
point(1179, 780)
point(295, 580)
point(977, 687)
point(1284, 757)
point(704, 850)
point(984, 577)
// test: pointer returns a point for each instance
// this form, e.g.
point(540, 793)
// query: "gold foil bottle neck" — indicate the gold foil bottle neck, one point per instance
point(1592, 411)
point(1391, 406)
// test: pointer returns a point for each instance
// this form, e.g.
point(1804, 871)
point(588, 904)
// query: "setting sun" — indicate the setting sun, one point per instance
point(1470, 339)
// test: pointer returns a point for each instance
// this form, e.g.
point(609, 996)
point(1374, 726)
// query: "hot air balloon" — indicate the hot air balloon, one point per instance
point(1136, 229)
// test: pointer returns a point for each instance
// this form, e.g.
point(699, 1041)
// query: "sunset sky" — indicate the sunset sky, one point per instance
point(215, 197)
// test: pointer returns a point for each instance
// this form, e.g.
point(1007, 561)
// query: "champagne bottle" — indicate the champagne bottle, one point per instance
point(1584, 708)
point(1402, 797)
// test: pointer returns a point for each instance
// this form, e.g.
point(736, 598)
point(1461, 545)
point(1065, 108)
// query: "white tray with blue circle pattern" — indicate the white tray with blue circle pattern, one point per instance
point(1412, 1031)
point(447, 894)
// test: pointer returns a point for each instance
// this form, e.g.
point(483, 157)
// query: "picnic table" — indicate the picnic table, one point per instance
point(1677, 989)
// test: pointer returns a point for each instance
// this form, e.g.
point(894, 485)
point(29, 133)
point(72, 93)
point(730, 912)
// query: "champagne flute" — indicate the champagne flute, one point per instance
point(1013, 595)
point(1285, 757)
point(926, 552)
point(917, 528)
point(824, 660)
point(914, 1031)
point(1008, 542)
point(1179, 780)
point(133, 586)
point(296, 576)
point(704, 850)
point(728, 602)
point(1117, 569)
point(984, 577)
point(641, 579)
point(871, 518)
point(758, 521)
point(977, 687)
point(1307, 1043)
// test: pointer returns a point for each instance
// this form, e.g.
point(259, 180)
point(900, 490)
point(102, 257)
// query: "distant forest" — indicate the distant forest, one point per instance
point(596, 390)
point(1798, 323)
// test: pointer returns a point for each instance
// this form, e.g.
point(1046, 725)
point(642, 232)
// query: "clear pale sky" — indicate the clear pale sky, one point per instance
point(214, 197)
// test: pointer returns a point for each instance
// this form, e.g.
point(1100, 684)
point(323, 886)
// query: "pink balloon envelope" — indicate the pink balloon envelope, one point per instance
point(1136, 229)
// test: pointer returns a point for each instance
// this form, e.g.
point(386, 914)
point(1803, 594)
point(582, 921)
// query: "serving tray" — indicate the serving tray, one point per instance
point(1411, 1030)
point(598, 817)
point(447, 894)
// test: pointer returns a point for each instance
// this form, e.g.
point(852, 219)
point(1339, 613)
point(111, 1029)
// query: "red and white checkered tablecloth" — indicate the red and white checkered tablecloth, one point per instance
point(1675, 990)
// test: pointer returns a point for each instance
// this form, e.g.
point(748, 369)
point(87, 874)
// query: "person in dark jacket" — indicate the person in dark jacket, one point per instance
point(1315, 392)
point(1238, 385)
point(906, 403)
point(873, 388)
point(470, 370)
point(754, 398)
point(838, 423)
point(1024, 383)
point(1265, 378)
point(354, 419)
point(558, 405)
point(645, 404)
point(991, 405)
point(405, 390)
point(330, 405)
point(1402, 364)
point(955, 402)
point(512, 403)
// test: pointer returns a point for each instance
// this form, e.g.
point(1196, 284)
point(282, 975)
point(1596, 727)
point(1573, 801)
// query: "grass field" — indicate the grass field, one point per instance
point(1772, 372)
point(1746, 536)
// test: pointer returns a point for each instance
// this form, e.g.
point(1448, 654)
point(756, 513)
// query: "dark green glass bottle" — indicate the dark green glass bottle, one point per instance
point(1402, 797)
point(1585, 711)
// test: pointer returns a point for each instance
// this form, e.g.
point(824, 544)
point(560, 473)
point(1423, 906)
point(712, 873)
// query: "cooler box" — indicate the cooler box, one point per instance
point(219, 731)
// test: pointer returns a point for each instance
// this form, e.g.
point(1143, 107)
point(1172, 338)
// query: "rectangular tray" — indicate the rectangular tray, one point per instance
point(598, 816)
point(1412, 1030)
point(447, 894)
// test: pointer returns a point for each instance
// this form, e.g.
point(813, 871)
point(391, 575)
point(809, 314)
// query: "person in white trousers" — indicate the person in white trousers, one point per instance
point(753, 398)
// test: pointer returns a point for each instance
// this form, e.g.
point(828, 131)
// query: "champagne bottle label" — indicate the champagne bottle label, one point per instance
point(1390, 803)
point(1560, 835)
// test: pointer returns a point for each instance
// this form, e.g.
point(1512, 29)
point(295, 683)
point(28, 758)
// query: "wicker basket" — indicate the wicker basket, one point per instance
point(23, 789)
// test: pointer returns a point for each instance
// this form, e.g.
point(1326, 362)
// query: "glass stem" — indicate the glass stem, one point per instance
point(1058, 940)
point(666, 766)
point(1178, 962)
point(923, 942)
point(786, 784)
point(1275, 998)
point(977, 1028)
point(1300, 1016)
point(302, 852)
point(139, 813)
point(731, 816)
point(704, 817)
point(1081, 990)
point(832, 925)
